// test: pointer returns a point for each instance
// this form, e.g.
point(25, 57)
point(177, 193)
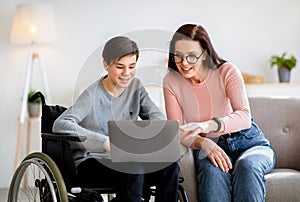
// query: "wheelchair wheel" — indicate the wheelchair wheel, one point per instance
point(182, 195)
point(37, 179)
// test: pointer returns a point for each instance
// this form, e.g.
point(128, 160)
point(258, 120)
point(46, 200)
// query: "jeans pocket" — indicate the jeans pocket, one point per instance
point(251, 132)
point(252, 137)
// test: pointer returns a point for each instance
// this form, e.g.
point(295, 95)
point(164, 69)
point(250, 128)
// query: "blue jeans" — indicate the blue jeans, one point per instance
point(252, 157)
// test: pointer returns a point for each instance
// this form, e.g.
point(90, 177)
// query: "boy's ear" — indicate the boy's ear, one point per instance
point(105, 65)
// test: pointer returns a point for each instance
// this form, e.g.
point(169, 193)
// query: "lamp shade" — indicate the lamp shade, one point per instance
point(33, 23)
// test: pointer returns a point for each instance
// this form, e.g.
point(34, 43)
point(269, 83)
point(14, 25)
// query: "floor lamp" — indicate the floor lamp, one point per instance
point(32, 24)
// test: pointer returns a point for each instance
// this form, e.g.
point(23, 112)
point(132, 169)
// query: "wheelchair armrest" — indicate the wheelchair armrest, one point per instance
point(64, 137)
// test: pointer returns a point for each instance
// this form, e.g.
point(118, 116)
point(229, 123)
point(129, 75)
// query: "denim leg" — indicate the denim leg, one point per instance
point(249, 183)
point(214, 185)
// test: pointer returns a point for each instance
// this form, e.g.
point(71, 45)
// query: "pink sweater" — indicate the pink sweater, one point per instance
point(221, 94)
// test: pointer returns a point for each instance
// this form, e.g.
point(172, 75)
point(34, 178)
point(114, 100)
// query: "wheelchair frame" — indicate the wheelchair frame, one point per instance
point(43, 176)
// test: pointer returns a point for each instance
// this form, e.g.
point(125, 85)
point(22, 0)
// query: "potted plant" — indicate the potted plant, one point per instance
point(34, 106)
point(285, 65)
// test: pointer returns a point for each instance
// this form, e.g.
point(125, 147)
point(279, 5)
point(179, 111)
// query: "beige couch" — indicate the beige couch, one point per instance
point(279, 119)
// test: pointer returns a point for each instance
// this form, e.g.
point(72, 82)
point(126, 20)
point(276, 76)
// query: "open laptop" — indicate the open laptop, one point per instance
point(144, 141)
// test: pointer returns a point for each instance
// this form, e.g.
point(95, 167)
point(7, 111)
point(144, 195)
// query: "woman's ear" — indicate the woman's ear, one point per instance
point(105, 65)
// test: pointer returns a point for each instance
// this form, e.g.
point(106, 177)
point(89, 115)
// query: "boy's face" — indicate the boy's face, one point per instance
point(122, 71)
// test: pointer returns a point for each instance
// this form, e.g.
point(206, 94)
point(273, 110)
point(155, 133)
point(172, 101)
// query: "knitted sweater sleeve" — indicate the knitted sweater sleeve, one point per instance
point(240, 116)
point(69, 123)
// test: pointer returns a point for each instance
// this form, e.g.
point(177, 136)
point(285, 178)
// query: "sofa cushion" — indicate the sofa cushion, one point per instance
point(279, 119)
point(283, 185)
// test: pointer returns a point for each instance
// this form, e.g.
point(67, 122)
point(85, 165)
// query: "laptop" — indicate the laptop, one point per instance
point(144, 140)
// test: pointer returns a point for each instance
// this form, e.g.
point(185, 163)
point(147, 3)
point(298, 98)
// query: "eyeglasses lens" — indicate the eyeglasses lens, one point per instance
point(191, 59)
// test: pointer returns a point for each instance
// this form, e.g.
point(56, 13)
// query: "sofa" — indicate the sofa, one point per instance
point(279, 119)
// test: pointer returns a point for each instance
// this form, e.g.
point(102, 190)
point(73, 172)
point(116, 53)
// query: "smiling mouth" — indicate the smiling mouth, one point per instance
point(124, 79)
point(187, 69)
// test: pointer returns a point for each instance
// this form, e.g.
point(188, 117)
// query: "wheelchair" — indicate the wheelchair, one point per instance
point(47, 176)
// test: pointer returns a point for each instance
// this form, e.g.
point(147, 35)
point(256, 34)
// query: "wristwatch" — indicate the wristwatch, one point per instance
point(218, 121)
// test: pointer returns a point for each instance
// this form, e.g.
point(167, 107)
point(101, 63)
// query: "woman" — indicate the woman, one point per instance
point(207, 95)
point(115, 96)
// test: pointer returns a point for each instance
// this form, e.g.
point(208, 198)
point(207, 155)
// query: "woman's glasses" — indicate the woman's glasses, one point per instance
point(191, 59)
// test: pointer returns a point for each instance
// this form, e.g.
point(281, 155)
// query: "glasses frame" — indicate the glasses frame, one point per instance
point(186, 58)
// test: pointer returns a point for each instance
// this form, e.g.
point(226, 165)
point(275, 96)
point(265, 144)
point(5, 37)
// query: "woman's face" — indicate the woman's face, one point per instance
point(122, 71)
point(191, 54)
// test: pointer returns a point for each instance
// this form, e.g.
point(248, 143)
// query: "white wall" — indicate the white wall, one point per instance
point(245, 32)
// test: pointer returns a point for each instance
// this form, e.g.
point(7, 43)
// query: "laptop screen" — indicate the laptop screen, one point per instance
point(144, 141)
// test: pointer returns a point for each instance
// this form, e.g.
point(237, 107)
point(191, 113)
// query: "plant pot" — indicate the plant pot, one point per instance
point(34, 109)
point(284, 75)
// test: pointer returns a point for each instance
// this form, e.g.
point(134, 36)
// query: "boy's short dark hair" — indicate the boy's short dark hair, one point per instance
point(118, 47)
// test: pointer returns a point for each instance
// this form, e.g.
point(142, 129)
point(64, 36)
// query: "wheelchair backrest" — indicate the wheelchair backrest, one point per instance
point(49, 115)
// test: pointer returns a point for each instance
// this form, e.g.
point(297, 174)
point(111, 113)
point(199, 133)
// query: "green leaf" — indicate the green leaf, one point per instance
point(283, 62)
point(31, 93)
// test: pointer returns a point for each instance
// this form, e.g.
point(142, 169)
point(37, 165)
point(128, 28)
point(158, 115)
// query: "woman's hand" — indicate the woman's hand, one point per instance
point(201, 127)
point(215, 154)
point(191, 130)
point(204, 127)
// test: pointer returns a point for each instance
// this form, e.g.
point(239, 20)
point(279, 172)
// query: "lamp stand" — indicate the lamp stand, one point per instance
point(32, 56)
